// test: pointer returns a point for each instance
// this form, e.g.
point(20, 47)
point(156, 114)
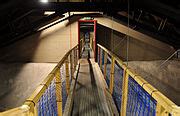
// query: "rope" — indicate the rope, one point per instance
point(169, 58)
point(112, 36)
point(127, 58)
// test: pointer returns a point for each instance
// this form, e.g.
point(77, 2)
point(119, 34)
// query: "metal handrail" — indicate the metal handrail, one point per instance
point(164, 104)
point(29, 107)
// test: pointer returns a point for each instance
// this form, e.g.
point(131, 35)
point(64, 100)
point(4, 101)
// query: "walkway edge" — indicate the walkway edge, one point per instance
point(110, 102)
point(70, 100)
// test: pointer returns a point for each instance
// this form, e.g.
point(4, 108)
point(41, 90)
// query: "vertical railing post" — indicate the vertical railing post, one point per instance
point(67, 76)
point(74, 51)
point(35, 111)
point(78, 54)
point(124, 93)
point(58, 92)
point(105, 63)
point(31, 106)
point(100, 57)
point(112, 75)
point(71, 65)
point(160, 111)
point(91, 43)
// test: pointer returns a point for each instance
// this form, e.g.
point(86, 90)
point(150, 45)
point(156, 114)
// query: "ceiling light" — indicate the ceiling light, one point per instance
point(44, 1)
point(49, 12)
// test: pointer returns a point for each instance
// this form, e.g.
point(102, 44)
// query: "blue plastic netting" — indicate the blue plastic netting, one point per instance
point(139, 103)
point(117, 90)
point(47, 105)
point(64, 92)
point(108, 70)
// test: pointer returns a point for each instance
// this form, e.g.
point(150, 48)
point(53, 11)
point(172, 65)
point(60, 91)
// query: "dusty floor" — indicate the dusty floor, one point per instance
point(165, 78)
point(19, 80)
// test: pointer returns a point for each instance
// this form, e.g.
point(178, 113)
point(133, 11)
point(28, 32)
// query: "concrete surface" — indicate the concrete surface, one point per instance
point(19, 80)
point(140, 49)
point(49, 45)
point(117, 26)
point(165, 78)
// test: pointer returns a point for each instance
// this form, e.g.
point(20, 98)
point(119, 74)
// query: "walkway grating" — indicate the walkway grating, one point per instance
point(89, 98)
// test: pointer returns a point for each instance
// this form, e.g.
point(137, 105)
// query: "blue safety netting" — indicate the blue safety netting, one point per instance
point(117, 90)
point(47, 105)
point(108, 70)
point(64, 92)
point(140, 103)
point(70, 76)
point(98, 56)
point(102, 58)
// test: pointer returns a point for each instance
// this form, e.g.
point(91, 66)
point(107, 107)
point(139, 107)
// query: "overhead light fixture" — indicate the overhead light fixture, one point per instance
point(44, 1)
point(49, 13)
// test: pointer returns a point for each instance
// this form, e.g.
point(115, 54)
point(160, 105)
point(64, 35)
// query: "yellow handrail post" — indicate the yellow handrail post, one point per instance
point(124, 93)
point(77, 55)
point(32, 108)
point(91, 43)
point(160, 111)
point(78, 52)
point(164, 105)
point(67, 76)
point(29, 108)
point(112, 75)
point(71, 65)
point(35, 111)
point(100, 57)
point(58, 92)
point(74, 59)
point(105, 63)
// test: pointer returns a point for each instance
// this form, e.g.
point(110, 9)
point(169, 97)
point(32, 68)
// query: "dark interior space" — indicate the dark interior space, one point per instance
point(90, 57)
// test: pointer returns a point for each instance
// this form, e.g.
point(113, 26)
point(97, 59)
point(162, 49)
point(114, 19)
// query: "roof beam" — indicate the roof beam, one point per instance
point(133, 33)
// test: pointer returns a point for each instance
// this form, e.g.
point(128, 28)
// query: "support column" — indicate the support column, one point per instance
point(71, 65)
point(100, 58)
point(160, 111)
point(67, 76)
point(58, 92)
point(105, 63)
point(124, 93)
point(74, 59)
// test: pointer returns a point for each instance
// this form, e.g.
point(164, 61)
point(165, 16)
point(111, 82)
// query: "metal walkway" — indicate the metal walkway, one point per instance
point(89, 99)
point(82, 87)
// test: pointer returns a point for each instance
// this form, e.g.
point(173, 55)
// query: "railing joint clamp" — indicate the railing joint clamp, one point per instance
point(44, 85)
point(51, 74)
point(144, 84)
point(57, 82)
point(31, 102)
point(154, 91)
point(58, 101)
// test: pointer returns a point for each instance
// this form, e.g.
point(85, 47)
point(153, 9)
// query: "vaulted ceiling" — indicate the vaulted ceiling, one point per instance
point(159, 18)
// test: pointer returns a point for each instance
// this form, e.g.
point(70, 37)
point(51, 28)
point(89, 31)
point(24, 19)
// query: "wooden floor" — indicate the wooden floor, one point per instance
point(89, 99)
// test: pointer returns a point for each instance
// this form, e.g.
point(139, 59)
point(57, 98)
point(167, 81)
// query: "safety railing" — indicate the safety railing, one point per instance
point(133, 96)
point(50, 96)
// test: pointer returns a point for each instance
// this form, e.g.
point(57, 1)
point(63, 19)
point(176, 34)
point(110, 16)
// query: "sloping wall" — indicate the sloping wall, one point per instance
point(46, 46)
point(141, 46)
